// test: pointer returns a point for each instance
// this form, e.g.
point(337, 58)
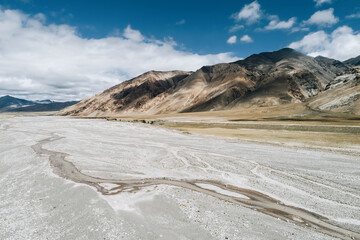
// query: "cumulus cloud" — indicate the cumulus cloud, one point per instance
point(133, 35)
point(232, 39)
point(246, 38)
point(343, 43)
point(313, 42)
point(275, 23)
point(251, 13)
point(324, 18)
point(40, 60)
point(321, 2)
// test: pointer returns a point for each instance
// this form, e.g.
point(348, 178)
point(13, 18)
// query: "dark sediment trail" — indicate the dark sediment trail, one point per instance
point(252, 199)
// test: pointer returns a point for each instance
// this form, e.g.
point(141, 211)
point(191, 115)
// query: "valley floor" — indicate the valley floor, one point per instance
point(290, 125)
point(66, 178)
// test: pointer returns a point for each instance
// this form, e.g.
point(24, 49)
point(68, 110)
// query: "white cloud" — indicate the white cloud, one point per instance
point(313, 42)
point(232, 39)
point(277, 24)
point(133, 35)
point(321, 2)
point(246, 38)
point(250, 13)
point(324, 18)
point(54, 61)
point(300, 29)
point(41, 17)
point(236, 27)
point(343, 43)
point(355, 15)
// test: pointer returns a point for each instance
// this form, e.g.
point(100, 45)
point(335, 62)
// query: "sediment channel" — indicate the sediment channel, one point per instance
point(245, 197)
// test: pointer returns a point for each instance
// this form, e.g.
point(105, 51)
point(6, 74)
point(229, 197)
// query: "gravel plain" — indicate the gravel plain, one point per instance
point(37, 203)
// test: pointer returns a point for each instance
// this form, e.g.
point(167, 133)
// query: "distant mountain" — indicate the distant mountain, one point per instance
point(353, 61)
point(8, 102)
point(265, 79)
point(12, 104)
point(44, 107)
point(335, 65)
point(45, 101)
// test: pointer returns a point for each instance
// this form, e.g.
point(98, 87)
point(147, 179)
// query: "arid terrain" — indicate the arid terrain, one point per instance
point(92, 178)
point(263, 148)
point(283, 97)
point(180, 120)
point(287, 125)
point(283, 77)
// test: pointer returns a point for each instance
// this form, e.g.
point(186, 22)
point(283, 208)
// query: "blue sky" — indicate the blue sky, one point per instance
point(72, 49)
point(201, 26)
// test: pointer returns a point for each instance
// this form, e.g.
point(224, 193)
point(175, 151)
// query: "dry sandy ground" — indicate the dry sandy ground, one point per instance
point(35, 203)
point(288, 125)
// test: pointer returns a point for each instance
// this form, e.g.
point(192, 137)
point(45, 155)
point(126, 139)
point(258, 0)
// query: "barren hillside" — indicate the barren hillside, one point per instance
point(265, 79)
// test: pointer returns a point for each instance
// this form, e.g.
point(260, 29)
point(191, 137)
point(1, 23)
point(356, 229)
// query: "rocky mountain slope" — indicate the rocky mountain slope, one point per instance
point(353, 61)
point(341, 95)
point(130, 96)
point(265, 79)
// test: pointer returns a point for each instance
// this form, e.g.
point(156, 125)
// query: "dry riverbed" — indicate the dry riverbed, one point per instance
point(69, 178)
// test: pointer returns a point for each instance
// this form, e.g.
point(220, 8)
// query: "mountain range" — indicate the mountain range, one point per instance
point(12, 104)
point(267, 79)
